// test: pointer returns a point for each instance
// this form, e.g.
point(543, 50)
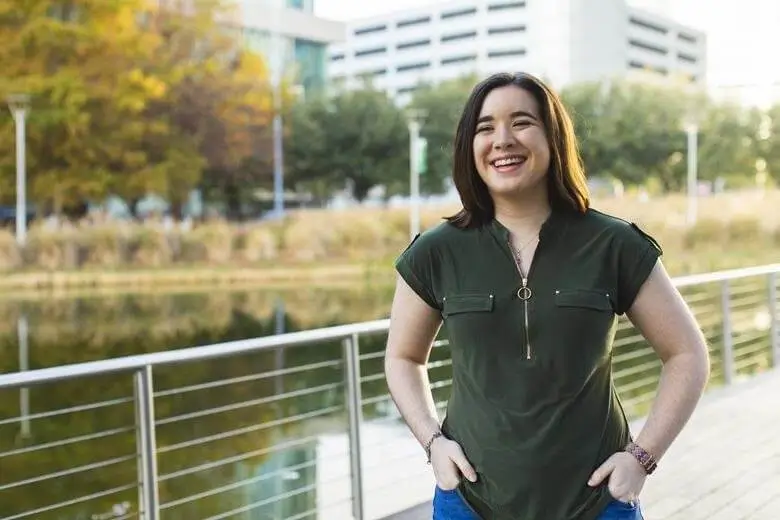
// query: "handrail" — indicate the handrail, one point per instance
point(171, 357)
point(217, 350)
point(725, 275)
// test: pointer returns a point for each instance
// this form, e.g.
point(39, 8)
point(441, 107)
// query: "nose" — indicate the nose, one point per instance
point(504, 138)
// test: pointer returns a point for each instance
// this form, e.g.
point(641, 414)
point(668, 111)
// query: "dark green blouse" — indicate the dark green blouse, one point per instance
point(532, 400)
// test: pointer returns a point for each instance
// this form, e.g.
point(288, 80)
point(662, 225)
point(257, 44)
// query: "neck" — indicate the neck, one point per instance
point(523, 218)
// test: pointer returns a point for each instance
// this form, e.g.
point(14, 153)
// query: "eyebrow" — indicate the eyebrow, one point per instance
point(518, 113)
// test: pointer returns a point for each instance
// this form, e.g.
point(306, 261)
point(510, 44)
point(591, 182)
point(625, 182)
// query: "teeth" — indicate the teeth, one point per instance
point(508, 161)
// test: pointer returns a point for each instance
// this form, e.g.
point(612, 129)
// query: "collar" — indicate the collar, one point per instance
point(552, 229)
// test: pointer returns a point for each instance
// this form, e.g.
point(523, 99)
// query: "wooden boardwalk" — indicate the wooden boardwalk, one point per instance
point(724, 466)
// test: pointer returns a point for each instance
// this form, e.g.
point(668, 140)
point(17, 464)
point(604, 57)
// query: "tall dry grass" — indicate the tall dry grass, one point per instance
point(732, 230)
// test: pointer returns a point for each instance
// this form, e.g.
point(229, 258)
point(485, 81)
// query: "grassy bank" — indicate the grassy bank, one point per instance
point(318, 246)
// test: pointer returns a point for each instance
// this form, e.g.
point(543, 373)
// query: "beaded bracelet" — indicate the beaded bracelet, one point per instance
point(646, 460)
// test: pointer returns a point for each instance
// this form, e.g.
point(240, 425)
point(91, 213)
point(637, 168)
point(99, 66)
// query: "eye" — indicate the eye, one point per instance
point(521, 123)
point(483, 128)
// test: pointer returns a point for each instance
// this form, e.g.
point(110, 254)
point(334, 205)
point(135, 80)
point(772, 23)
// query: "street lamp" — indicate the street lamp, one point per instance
point(20, 105)
point(414, 118)
point(276, 86)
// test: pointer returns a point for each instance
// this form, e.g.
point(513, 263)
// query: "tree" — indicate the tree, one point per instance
point(442, 105)
point(131, 98)
point(770, 141)
point(80, 66)
point(355, 139)
point(634, 132)
point(221, 97)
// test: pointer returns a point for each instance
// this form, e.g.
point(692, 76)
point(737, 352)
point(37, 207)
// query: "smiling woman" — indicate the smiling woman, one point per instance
point(528, 282)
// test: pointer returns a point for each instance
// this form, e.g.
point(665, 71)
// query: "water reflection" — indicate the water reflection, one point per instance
point(229, 431)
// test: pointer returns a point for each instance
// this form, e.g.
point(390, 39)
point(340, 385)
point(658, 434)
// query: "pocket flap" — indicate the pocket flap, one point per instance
point(460, 303)
point(587, 298)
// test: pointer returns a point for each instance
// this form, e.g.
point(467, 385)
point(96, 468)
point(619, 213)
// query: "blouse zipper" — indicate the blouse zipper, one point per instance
point(524, 293)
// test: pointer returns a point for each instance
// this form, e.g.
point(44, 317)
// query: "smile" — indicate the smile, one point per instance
point(508, 161)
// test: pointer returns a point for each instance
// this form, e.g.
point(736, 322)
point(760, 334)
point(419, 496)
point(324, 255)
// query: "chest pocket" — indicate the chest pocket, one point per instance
point(583, 298)
point(466, 303)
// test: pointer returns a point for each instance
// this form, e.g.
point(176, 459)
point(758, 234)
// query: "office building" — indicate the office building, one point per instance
point(562, 41)
point(302, 37)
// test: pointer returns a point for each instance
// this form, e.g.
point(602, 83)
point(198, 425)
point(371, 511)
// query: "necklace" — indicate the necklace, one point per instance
point(518, 253)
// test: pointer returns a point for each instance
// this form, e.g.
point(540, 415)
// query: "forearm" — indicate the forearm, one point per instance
point(683, 379)
point(410, 389)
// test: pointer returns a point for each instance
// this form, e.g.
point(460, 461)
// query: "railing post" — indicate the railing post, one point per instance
point(146, 444)
point(728, 345)
point(773, 325)
point(355, 409)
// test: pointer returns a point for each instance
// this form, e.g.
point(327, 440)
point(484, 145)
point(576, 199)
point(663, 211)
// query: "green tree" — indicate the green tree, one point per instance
point(770, 142)
point(356, 138)
point(634, 132)
point(442, 105)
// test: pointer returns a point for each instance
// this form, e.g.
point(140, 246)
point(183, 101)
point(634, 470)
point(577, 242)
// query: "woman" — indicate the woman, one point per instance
point(528, 281)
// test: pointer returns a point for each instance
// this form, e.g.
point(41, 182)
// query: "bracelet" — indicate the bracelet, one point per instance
point(645, 459)
point(428, 444)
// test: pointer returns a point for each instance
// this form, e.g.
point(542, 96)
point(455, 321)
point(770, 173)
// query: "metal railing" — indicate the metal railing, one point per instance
point(292, 426)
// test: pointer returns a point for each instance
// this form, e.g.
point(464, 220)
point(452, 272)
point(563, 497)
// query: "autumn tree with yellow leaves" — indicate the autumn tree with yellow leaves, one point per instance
point(131, 98)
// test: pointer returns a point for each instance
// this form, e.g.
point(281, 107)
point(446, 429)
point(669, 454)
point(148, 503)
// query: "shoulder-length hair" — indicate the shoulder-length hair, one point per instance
point(566, 182)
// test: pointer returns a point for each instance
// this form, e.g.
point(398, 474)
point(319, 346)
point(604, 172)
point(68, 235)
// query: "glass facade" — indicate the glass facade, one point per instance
point(305, 60)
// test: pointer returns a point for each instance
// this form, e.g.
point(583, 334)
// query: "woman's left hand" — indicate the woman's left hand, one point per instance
point(626, 477)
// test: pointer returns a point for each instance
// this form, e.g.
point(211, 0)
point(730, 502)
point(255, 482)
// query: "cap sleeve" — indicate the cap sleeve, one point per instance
point(416, 267)
point(638, 253)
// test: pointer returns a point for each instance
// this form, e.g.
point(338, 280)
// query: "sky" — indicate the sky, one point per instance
point(742, 36)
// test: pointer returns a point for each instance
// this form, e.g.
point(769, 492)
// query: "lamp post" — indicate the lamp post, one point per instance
point(276, 86)
point(19, 105)
point(414, 123)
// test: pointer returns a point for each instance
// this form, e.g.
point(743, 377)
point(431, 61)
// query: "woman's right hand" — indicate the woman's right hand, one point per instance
point(449, 464)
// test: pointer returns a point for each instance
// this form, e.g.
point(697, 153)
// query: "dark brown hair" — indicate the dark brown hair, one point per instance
point(566, 182)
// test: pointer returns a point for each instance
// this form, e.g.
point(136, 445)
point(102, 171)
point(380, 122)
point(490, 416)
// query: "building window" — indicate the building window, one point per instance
point(506, 53)
point(644, 66)
point(648, 47)
point(650, 26)
point(459, 59)
point(370, 30)
point(687, 38)
point(686, 57)
point(413, 21)
point(458, 36)
point(507, 29)
point(413, 66)
point(506, 5)
point(412, 45)
point(310, 59)
point(457, 14)
point(371, 52)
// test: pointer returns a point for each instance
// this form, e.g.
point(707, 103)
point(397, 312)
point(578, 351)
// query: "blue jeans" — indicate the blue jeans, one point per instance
point(450, 505)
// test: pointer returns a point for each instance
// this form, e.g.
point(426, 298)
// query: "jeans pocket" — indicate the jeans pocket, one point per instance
point(619, 510)
point(449, 504)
